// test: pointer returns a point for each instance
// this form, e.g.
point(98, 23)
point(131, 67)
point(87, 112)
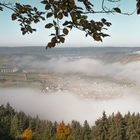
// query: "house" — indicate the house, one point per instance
point(7, 69)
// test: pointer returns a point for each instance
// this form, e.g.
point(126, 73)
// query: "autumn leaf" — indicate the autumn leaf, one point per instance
point(62, 39)
point(65, 31)
point(14, 16)
point(49, 15)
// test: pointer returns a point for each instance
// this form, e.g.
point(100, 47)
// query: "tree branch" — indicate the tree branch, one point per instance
point(8, 6)
point(106, 10)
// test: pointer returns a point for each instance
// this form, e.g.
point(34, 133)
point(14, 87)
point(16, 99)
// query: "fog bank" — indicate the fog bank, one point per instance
point(65, 106)
point(119, 70)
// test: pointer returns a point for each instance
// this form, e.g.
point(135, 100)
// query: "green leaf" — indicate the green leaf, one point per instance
point(1, 8)
point(42, 18)
point(138, 11)
point(52, 34)
point(80, 8)
point(118, 10)
point(54, 22)
point(74, 18)
point(22, 29)
point(49, 14)
point(90, 4)
point(108, 24)
point(105, 35)
point(138, 4)
point(65, 14)
point(24, 32)
point(36, 20)
point(86, 34)
point(84, 17)
point(44, 2)
point(71, 4)
point(49, 25)
point(35, 9)
point(48, 6)
point(103, 20)
point(65, 31)
point(51, 1)
point(63, 6)
point(67, 22)
point(70, 26)
point(34, 30)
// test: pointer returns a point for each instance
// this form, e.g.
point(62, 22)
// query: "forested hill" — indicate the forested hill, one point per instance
point(18, 126)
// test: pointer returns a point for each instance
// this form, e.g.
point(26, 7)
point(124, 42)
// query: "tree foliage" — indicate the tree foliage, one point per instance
point(63, 132)
point(27, 134)
point(65, 15)
point(113, 127)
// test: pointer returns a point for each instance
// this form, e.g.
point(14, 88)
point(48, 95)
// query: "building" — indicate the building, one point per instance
point(7, 69)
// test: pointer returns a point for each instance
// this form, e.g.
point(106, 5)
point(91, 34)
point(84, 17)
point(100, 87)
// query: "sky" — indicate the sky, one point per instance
point(124, 32)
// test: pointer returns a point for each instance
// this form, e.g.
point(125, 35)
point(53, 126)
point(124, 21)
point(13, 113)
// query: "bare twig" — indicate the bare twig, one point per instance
point(106, 10)
point(8, 6)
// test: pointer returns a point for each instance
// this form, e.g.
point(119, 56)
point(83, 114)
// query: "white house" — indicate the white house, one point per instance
point(7, 69)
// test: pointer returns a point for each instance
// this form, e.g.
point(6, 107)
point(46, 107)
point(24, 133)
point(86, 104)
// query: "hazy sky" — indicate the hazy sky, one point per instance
point(125, 30)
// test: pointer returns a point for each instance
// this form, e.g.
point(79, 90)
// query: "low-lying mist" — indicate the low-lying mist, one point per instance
point(90, 86)
point(89, 77)
point(87, 66)
point(65, 106)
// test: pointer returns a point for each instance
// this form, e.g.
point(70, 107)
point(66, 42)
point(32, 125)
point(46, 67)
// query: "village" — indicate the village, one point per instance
point(12, 76)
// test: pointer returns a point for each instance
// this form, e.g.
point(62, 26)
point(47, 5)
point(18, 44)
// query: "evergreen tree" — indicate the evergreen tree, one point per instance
point(86, 131)
point(23, 121)
point(76, 131)
point(14, 126)
point(18, 126)
point(100, 131)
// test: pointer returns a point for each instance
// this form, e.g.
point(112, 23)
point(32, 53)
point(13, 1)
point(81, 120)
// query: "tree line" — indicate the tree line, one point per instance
point(19, 126)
